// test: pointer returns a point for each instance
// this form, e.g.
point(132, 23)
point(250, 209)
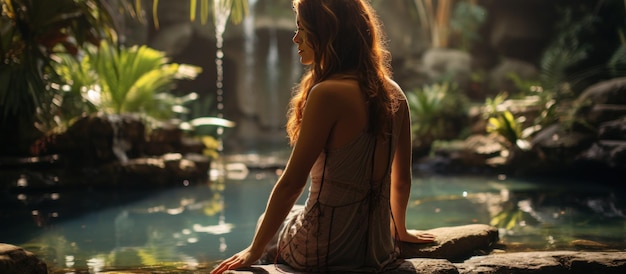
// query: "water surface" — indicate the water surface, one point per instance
point(195, 225)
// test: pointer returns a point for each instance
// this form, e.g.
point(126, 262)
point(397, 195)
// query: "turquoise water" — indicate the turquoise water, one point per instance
point(193, 226)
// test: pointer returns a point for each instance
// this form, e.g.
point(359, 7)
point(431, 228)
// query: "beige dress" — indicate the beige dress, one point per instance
point(344, 224)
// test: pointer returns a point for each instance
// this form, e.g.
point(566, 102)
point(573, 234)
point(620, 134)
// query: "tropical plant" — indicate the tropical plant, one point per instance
point(502, 121)
point(465, 22)
point(70, 102)
point(118, 80)
point(237, 9)
point(435, 112)
point(565, 51)
point(505, 124)
point(617, 63)
point(511, 217)
point(130, 77)
point(551, 95)
point(493, 105)
point(30, 31)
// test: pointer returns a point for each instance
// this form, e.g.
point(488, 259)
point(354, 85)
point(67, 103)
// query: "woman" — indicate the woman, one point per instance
point(350, 130)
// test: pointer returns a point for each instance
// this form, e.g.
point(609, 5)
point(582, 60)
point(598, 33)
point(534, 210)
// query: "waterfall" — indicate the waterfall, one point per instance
point(119, 144)
point(221, 9)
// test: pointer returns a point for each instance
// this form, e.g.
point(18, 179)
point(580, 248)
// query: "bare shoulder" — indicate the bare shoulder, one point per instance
point(336, 84)
point(336, 89)
point(398, 97)
point(396, 89)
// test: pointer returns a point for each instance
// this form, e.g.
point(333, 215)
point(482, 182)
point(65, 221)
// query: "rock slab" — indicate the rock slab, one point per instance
point(463, 249)
point(454, 243)
point(16, 260)
point(539, 262)
point(546, 262)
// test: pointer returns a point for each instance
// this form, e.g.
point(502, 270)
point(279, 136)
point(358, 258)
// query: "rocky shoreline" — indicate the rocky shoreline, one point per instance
point(474, 249)
point(461, 249)
point(519, 262)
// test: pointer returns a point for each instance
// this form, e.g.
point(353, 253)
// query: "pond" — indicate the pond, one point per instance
point(194, 225)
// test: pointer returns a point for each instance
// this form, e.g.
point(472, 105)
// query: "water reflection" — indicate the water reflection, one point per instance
point(192, 226)
point(530, 215)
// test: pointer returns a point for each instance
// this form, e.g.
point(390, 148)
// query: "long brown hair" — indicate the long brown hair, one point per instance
point(346, 37)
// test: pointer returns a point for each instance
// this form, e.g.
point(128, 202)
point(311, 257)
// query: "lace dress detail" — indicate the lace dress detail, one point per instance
point(344, 224)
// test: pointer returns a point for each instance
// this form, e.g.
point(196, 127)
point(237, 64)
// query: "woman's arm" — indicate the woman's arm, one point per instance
point(401, 183)
point(282, 198)
point(320, 115)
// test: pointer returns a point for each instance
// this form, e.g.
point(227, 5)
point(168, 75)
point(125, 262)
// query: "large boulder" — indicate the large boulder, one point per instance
point(440, 63)
point(547, 262)
point(16, 260)
point(120, 150)
point(454, 243)
point(603, 101)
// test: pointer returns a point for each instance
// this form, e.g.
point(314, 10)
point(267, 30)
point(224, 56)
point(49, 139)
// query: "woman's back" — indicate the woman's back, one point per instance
point(352, 117)
point(345, 222)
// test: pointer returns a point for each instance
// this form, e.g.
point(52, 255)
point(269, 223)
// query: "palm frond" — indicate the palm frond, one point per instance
point(30, 31)
point(238, 10)
point(505, 125)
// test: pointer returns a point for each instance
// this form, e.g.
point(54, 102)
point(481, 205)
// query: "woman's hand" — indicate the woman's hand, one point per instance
point(417, 237)
point(244, 258)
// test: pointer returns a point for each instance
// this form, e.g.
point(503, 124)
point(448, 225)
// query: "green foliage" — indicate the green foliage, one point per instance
point(124, 79)
point(505, 125)
point(617, 63)
point(239, 9)
point(543, 99)
point(211, 146)
point(492, 105)
point(434, 110)
point(69, 102)
point(552, 97)
point(502, 121)
point(465, 22)
point(509, 219)
point(551, 106)
point(131, 77)
point(554, 92)
point(565, 51)
point(30, 30)
point(576, 58)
